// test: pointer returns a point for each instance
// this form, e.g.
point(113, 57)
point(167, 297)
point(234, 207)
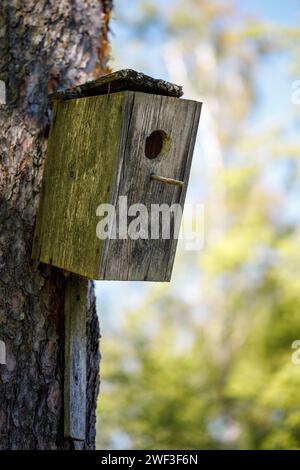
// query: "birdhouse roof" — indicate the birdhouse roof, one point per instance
point(122, 80)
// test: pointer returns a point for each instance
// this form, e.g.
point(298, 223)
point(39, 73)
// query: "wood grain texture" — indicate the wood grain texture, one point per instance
point(75, 358)
point(97, 154)
point(149, 259)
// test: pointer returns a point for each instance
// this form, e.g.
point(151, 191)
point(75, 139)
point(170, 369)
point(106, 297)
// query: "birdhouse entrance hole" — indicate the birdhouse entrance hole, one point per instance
point(157, 143)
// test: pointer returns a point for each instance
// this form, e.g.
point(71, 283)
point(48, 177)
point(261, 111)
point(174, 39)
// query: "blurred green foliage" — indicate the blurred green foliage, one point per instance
point(213, 369)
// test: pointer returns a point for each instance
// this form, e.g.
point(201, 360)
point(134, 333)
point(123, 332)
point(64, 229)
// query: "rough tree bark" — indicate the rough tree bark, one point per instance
point(43, 44)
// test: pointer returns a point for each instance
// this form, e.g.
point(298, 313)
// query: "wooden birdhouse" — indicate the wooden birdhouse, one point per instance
point(123, 140)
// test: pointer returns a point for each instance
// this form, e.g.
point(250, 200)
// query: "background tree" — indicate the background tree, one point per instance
point(207, 364)
point(44, 44)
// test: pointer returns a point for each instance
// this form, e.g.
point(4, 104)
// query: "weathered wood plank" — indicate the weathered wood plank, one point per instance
point(150, 259)
point(75, 358)
point(122, 80)
point(2, 352)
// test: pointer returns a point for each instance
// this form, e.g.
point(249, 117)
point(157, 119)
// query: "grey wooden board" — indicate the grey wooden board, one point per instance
point(150, 260)
point(75, 358)
point(96, 153)
point(121, 80)
point(2, 352)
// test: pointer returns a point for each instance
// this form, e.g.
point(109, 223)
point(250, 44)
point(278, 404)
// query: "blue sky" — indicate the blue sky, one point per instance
point(274, 79)
point(276, 10)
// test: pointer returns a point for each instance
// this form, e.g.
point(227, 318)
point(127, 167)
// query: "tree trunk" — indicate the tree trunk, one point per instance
point(43, 44)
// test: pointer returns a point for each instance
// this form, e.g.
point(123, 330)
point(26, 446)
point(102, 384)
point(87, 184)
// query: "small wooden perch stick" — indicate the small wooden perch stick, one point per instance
point(165, 180)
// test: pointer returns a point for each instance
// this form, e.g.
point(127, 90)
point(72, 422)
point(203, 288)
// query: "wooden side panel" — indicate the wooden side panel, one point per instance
point(149, 259)
point(75, 358)
point(82, 152)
